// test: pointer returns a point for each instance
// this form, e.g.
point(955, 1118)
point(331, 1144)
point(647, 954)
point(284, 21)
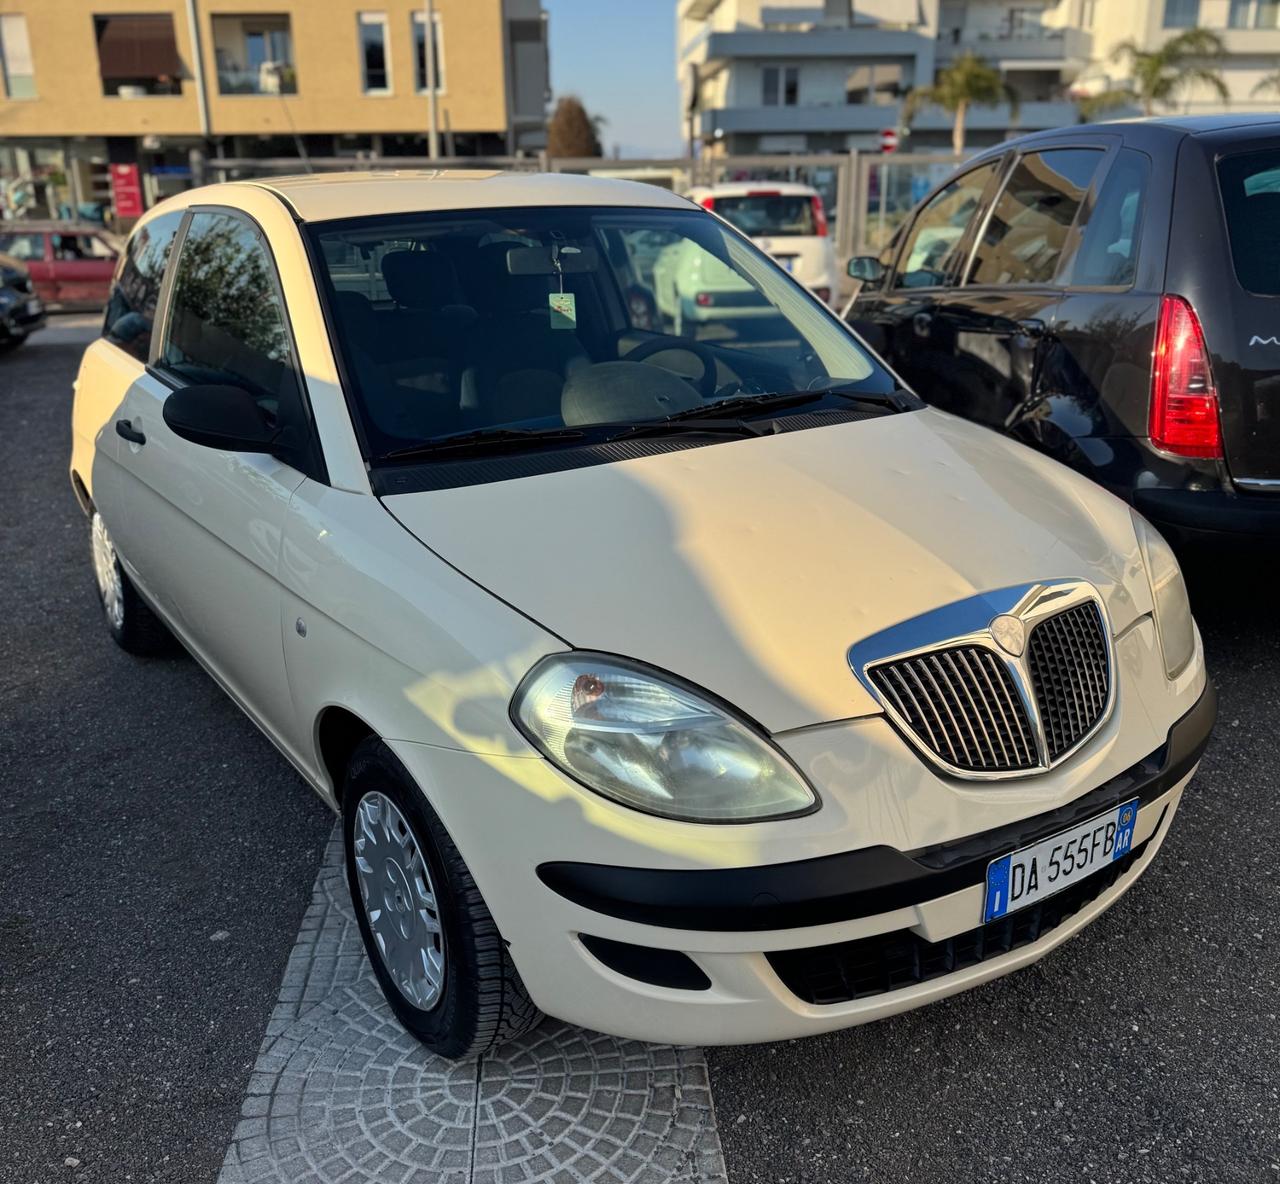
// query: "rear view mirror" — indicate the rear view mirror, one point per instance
point(224, 417)
point(539, 261)
point(866, 268)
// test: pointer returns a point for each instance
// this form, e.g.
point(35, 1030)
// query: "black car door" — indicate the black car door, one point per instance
point(995, 324)
point(897, 316)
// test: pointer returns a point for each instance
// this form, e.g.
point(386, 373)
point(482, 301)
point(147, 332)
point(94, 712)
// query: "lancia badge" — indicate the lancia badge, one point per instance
point(1010, 634)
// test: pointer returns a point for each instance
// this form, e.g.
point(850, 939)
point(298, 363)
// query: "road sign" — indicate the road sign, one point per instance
point(126, 191)
point(889, 140)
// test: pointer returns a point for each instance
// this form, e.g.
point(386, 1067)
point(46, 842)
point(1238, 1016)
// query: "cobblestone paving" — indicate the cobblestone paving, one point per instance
point(341, 1092)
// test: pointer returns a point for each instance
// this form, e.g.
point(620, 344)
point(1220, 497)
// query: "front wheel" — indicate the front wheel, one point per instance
point(434, 947)
point(133, 626)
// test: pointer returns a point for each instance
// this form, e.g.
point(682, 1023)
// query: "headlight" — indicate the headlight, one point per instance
point(649, 742)
point(8, 296)
point(1174, 626)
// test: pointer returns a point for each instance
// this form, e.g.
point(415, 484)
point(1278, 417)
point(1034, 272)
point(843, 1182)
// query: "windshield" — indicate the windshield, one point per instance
point(776, 215)
point(522, 321)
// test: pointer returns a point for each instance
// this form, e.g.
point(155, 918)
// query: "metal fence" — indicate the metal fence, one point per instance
point(867, 195)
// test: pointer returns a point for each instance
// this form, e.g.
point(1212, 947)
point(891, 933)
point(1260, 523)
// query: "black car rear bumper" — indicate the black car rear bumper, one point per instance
point(853, 884)
point(1211, 514)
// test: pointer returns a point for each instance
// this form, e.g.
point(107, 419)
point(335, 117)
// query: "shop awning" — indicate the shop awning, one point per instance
point(137, 47)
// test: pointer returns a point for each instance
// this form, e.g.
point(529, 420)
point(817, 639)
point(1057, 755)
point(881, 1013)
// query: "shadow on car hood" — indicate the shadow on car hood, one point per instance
point(750, 567)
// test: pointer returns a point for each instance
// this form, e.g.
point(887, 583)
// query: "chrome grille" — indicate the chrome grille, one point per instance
point(1067, 654)
point(963, 705)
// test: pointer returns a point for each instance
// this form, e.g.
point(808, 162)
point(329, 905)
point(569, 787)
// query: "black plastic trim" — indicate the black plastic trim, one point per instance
point(658, 968)
point(874, 880)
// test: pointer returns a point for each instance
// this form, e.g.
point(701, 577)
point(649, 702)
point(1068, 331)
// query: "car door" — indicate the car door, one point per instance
point(899, 316)
point(82, 267)
point(994, 325)
point(203, 528)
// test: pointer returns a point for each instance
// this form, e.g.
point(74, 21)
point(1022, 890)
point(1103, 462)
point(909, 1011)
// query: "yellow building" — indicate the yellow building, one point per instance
point(146, 82)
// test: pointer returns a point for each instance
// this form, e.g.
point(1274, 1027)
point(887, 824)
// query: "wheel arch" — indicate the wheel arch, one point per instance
point(339, 731)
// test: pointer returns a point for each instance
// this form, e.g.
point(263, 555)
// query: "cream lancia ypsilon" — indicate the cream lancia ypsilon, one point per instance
point(702, 688)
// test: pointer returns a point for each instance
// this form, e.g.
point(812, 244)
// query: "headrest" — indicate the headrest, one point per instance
point(420, 279)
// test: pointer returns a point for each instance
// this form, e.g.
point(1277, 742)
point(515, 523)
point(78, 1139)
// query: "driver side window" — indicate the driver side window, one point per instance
point(930, 249)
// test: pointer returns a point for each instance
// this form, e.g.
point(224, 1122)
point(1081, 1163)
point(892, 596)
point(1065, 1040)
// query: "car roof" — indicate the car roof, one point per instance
point(321, 197)
point(1166, 128)
point(743, 188)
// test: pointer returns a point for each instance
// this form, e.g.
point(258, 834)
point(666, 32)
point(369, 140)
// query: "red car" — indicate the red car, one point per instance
point(71, 263)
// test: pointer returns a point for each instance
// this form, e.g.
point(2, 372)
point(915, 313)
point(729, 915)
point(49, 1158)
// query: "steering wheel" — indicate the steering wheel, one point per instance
point(706, 381)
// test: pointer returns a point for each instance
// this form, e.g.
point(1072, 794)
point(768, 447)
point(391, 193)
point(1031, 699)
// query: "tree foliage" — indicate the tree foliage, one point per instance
point(572, 132)
point(1160, 77)
point(969, 81)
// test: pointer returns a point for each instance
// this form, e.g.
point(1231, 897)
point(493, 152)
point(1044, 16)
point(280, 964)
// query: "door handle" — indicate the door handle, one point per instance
point(127, 431)
point(1032, 327)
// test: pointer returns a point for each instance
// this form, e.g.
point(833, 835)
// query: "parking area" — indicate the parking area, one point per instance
point(184, 998)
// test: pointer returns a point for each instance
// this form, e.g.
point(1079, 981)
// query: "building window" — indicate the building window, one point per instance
point(420, 55)
point(15, 57)
point(1253, 14)
point(254, 55)
point(137, 55)
point(881, 83)
point(1087, 13)
point(1181, 14)
point(375, 64)
point(781, 86)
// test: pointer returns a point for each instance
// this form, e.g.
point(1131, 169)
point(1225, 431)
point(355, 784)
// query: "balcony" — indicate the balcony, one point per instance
point(868, 117)
point(1039, 47)
point(254, 55)
point(860, 42)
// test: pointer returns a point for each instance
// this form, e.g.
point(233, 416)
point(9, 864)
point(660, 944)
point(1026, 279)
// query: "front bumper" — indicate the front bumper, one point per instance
point(20, 323)
point(756, 937)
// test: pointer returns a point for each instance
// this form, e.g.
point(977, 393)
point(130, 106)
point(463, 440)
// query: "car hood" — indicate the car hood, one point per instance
point(749, 567)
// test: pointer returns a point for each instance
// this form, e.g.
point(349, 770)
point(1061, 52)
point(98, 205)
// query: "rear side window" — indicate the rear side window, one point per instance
point(1250, 186)
point(131, 307)
point(226, 318)
point(1023, 239)
point(1108, 255)
point(935, 236)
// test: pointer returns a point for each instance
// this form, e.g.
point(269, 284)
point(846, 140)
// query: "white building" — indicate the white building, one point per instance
point(806, 76)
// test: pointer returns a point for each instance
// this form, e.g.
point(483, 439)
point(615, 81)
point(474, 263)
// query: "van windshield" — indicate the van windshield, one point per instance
point(526, 322)
point(1250, 184)
point(773, 215)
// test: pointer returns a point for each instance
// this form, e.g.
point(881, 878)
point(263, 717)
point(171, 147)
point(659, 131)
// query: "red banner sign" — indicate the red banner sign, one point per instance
point(126, 191)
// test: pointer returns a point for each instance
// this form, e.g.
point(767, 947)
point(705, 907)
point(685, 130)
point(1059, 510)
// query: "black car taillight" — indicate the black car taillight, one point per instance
point(1184, 400)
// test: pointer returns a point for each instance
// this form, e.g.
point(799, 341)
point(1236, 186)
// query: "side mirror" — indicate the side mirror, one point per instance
point(224, 417)
point(866, 268)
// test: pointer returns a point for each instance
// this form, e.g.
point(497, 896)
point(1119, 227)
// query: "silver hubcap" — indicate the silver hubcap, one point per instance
point(107, 572)
point(398, 900)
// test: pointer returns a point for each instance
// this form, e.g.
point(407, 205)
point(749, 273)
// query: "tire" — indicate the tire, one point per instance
point(9, 344)
point(476, 1000)
point(131, 623)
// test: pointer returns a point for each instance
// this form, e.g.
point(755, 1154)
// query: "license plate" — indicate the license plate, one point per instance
point(1023, 877)
point(33, 307)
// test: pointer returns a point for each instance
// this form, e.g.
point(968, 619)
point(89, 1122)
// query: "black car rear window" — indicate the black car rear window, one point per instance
point(1250, 184)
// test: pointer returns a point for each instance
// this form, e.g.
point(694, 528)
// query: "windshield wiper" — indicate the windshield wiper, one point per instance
point(482, 440)
point(676, 425)
point(899, 400)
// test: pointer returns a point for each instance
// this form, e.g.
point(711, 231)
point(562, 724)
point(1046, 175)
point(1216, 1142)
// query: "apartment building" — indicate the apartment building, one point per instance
point(89, 83)
point(806, 76)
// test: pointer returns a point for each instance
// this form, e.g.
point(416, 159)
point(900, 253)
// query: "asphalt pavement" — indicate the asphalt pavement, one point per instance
point(157, 857)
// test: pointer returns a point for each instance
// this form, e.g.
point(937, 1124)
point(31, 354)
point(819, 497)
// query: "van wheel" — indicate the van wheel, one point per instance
point(434, 947)
point(133, 626)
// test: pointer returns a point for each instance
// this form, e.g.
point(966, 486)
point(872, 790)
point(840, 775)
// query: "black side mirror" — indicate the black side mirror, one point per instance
point(225, 417)
point(866, 268)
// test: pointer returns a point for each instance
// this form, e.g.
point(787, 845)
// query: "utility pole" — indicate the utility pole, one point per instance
point(429, 53)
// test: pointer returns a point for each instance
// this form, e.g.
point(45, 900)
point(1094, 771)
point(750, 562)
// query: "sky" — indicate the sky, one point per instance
point(618, 56)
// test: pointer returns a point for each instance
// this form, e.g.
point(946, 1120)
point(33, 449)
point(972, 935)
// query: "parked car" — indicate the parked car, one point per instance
point(1107, 294)
point(786, 220)
point(690, 691)
point(71, 263)
point(21, 310)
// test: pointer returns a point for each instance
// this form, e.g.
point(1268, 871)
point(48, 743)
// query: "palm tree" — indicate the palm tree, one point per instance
point(968, 81)
point(1270, 85)
point(1162, 75)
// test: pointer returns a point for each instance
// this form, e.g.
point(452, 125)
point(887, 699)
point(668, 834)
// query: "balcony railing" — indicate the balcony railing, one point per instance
point(271, 78)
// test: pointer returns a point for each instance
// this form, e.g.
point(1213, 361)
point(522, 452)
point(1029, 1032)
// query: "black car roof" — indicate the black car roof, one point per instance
point(1168, 128)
